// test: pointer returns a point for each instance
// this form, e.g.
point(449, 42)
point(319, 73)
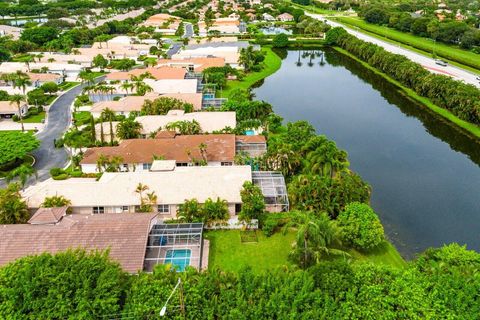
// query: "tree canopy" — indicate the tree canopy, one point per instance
point(16, 145)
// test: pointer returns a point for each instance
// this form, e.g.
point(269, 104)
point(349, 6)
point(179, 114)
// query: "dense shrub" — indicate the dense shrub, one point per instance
point(360, 227)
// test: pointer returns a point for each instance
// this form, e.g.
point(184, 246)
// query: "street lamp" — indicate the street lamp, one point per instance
point(164, 308)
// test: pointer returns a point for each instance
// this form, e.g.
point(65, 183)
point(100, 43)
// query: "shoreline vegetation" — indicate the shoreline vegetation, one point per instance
point(455, 56)
point(466, 127)
point(385, 254)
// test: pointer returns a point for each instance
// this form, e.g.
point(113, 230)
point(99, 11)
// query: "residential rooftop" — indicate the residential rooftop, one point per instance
point(124, 235)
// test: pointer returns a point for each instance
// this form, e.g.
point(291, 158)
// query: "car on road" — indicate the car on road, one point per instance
point(441, 63)
point(478, 78)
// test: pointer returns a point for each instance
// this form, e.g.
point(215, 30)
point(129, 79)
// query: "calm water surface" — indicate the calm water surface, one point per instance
point(424, 173)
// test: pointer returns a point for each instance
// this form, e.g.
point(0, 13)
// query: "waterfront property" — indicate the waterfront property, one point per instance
point(187, 150)
point(160, 73)
point(180, 245)
point(125, 236)
point(208, 121)
point(115, 192)
point(193, 64)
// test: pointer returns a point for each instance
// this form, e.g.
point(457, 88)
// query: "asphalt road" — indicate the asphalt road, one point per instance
point(173, 49)
point(426, 62)
point(58, 121)
point(188, 31)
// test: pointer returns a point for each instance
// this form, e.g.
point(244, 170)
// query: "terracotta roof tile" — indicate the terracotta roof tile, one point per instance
point(125, 235)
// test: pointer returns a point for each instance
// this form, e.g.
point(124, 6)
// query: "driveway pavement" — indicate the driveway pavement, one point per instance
point(426, 62)
point(173, 49)
point(188, 31)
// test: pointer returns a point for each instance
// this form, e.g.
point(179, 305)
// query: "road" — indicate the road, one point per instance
point(174, 48)
point(188, 31)
point(426, 62)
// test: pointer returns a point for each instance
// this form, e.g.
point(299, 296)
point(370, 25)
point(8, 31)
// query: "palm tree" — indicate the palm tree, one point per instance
point(126, 86)
point(23, 172)
point(142, 88)
point(20, 81)
point(18, 99)
point(128, 129)
point(109, 115)
point(140, 189)
point(316, 234)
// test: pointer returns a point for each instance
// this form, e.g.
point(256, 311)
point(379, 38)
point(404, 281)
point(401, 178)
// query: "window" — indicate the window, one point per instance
point(147, 166)
point(124, 208)
point(182, 164)
point(238, 208)
point(163, 208)
point(125, 167)
point(97, 210)
point(226, 163)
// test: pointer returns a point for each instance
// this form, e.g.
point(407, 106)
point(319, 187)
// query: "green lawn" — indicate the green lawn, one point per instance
point(386, 254)
point(455, 55)
point(272, 64)
point(469, 127)
point(68, 85)
point(228, 253)
point(35, 118)
point(81, 117)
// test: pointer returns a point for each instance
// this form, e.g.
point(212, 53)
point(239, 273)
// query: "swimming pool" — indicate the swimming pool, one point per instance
point(249, 133)
point(179, 258)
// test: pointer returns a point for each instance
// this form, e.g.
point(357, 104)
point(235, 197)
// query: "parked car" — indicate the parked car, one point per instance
point(478, 78)
point(441, 63)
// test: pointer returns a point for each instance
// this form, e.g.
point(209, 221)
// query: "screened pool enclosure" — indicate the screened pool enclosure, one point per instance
point(179, 244)
point(273, 188)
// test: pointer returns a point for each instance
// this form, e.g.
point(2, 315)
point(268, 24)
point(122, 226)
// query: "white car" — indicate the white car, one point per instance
point(441, 63)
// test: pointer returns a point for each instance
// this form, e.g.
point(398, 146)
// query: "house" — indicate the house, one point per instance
point(221, 25)
point(38, 79)
point(163, 72)
point(208, 121)
point(229, 51)
point(52, 231)
point(68, 71)
point(285, 17)
point(267, 17)
point(134, 103)
point(84, 60)
point(8, 109)
point(173, 85)
point(193, 64)
point(139, 154)
point(115, 192)
point(14, 32)
point(164, 23)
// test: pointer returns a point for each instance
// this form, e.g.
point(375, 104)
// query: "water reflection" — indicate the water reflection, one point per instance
point(423, 170)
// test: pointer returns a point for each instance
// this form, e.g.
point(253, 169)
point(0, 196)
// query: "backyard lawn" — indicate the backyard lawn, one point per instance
point(81, 117)
point(272, 64)
point(455, 55)
point(37, 118)
point(228, 253)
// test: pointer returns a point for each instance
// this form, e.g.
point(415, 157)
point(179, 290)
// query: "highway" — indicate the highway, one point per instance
point(426, 62)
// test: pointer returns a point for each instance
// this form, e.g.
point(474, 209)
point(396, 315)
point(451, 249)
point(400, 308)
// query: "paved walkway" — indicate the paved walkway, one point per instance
point(9, 125)
point(426, 62)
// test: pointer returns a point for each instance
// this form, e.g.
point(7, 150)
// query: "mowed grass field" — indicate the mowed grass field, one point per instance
point(463, 58)
point(228, 253)
point(271, 64)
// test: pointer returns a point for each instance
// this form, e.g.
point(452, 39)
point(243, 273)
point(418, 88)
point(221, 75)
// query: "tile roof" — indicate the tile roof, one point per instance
point(125, 235)
point(44, 76)
point(163, 72)
point(220, 147)
point(199, 64)
point(48, 215)
point(171, 187)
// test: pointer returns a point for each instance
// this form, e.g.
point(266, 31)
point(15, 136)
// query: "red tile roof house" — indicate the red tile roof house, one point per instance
point(50, 230)
point(161, 73)
point(138, 154)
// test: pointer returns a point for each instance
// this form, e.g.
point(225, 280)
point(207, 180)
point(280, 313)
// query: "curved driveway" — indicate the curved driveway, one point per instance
point(426, 62)
point(58, 120)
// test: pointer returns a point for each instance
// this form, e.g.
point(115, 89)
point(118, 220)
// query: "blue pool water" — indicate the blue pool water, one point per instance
point(179, 258)
point(249, 133)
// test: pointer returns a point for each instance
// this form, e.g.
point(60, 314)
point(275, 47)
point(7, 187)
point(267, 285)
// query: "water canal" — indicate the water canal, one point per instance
point(424, 173)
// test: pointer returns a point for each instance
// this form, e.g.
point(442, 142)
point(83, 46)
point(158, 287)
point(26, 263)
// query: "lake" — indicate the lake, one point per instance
point(424, 172)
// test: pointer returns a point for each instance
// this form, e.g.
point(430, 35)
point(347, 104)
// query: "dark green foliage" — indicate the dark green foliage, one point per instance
point(360, 227)
point(209, 212)
point(13, 209)
point(69, 285)
point(162, 105)
point(248, 110)
point(280, 41)
point(253, 202)
point(15, 145)
point(39, 35)
point(463, 100)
